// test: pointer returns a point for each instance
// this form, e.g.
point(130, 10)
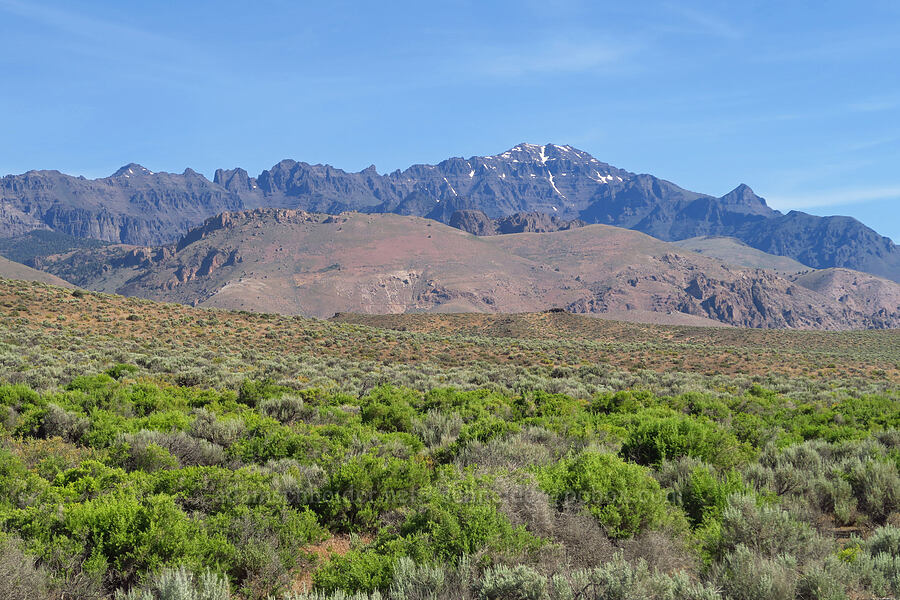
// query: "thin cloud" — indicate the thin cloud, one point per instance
point(878, 104)
point(873, 143)
point(76, 23)
point(705, 22)
point(134, 53)
point(548, 57)
point(836, 197)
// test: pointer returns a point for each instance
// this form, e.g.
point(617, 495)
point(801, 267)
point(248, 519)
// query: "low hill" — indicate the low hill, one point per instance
point(735, 252)
point(857, 291)
point(294, 262)
point(14, 270)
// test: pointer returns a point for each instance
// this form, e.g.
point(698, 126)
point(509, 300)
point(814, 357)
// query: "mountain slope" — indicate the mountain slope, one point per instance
point(136, 206)
point(735, 252)
point(295, 262)
point(14, 270)
point(824, 242)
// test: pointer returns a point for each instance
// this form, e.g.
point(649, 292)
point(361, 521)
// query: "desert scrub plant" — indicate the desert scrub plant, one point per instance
point(286, 409)
point(512, 583)
point(19, 575)
point(223, 432)
point(745, 575)
point(414, 581)
point(437, 429)
point(530, 448)
point(619, 579)
point(876, 485)
point(766, 530)
point(141, 450)
point(180, 584)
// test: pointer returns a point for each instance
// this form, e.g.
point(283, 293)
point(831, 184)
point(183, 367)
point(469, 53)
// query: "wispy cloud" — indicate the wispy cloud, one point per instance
point(549, 56)
point(75, 23)
point(876, 104)
point(134, 52)
point(835, 197)
point(703, 22)
point(873, 143)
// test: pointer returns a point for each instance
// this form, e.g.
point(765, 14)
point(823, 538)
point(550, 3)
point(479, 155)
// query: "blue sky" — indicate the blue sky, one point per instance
point(800, 100)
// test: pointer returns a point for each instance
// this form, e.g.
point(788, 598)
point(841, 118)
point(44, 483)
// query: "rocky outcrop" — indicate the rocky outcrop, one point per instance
point(478, 223)
point(213, 260)
point(228, 220)
point(751, 298)
point(474, 222)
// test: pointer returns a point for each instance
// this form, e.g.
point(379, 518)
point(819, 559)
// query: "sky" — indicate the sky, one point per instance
point(800, 100)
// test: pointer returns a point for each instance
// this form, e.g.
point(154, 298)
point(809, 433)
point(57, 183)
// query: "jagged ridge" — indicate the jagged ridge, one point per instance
point(137, 206)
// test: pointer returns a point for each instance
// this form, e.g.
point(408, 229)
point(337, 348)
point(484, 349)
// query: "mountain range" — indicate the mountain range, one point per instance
point(527, 188)
point(296, 262)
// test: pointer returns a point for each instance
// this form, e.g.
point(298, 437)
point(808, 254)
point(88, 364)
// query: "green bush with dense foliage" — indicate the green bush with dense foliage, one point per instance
point(161, 457)
point(116, 483)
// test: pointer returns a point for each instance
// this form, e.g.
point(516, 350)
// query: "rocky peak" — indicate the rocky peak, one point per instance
point(543, 154)
point(132, 170)
point(234, 180)
point(742, 197)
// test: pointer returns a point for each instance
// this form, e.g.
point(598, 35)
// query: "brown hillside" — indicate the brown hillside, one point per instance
point(14, 270)
point(293, 262)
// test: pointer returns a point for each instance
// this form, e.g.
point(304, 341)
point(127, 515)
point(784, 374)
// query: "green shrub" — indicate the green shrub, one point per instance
point(120, 370)
point(654, 440)
point(461, 516)
point(623, 497)
point(253, 391)
point(357, 571)
point(389, 409)
point(704, 495)
point(131, 536)
point(363, 488)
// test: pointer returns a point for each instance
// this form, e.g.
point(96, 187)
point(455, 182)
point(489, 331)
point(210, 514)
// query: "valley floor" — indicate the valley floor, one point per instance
point(171, 451)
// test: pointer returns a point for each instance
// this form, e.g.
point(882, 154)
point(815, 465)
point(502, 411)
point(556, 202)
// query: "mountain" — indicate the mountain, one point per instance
point(824, 242)
point(136, 206)
point(297, 262)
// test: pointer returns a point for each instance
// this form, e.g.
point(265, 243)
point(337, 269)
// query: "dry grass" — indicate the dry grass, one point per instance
point(547, 339)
